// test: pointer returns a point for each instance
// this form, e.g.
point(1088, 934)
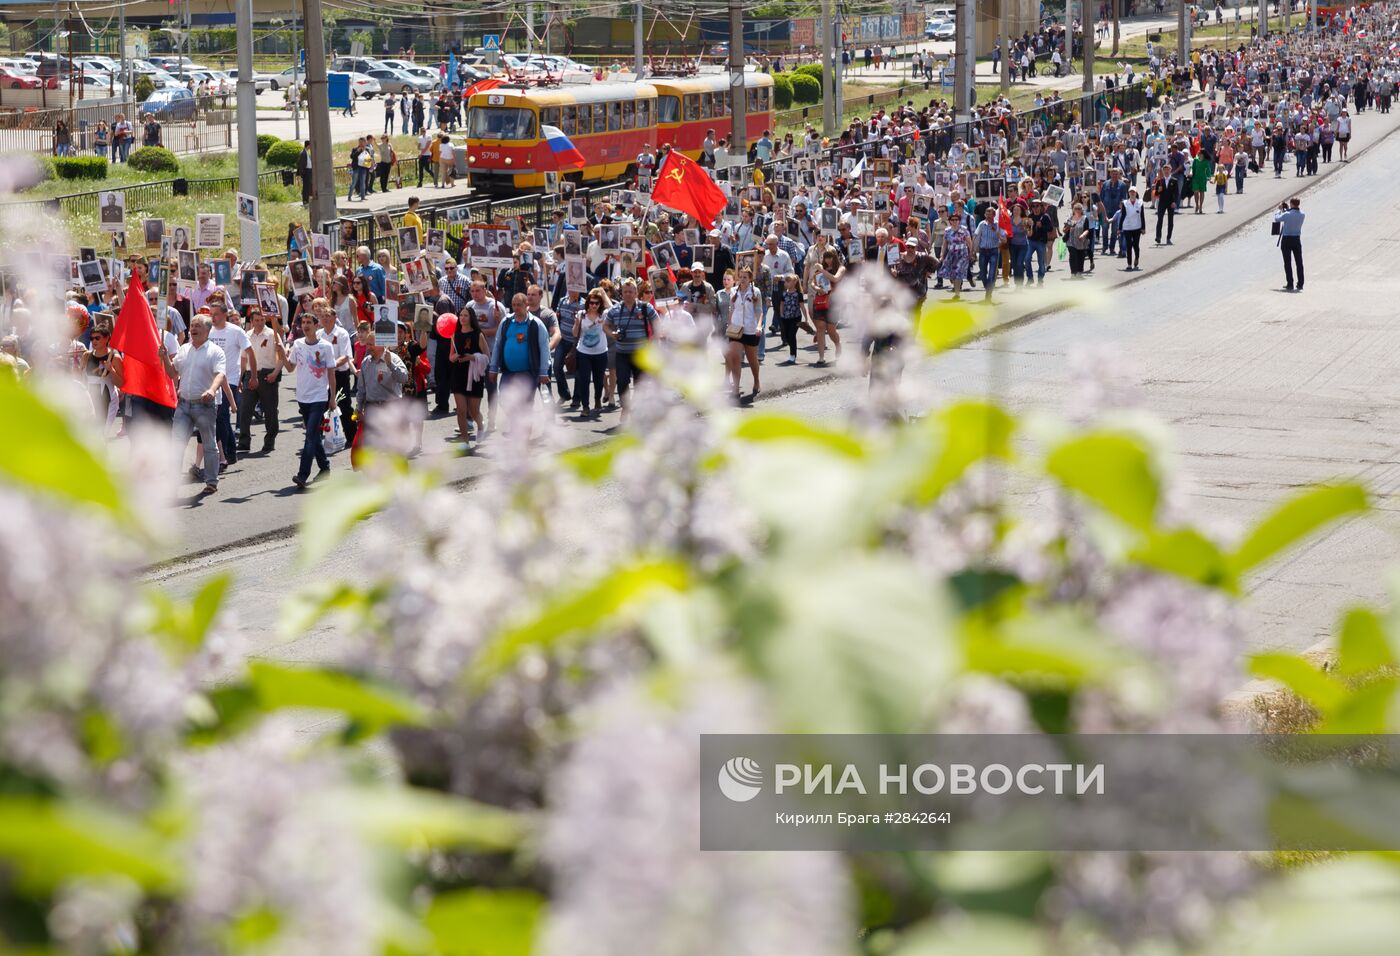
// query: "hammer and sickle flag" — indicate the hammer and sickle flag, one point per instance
point(683, 184)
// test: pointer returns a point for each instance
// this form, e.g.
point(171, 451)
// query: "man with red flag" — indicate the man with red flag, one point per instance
point(684, 185)
point(136, 338)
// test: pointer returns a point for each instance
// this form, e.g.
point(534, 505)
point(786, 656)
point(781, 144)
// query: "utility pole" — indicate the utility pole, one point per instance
point(1312, 16)
point(1004, 36)
point(296, 93)
point(250, 239)
point(1089, 33)
point(837, 41)
point(1182, 41)
point(824, 38)
point(121, 44)
point(738, 92)
point(318, 118)
point(1261, 10)
point(964, 62)
point(638, 60)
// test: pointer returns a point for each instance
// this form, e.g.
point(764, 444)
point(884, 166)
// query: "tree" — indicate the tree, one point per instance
point(387, 25)
point(1117, 16)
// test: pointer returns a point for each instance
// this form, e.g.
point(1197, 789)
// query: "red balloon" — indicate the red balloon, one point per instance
point(446, 325)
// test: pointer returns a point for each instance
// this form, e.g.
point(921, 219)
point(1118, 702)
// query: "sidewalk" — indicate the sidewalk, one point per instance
point(397, 199)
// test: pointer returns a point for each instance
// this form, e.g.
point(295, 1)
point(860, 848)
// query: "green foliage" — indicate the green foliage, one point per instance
point(41, 452)
point(1113, 470)
point(814, 70)
point(805, 89)
point(1297, 519)
point(49, 842)
point(366, 37)
point(370, 708)
point(154, 159)
point(283, 155)
point(266, 142)
point(145, 86)
point(483, 922)
point(80, 167)
point(782, 91)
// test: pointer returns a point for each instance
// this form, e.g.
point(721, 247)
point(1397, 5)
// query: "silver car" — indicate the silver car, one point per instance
point(399, 81)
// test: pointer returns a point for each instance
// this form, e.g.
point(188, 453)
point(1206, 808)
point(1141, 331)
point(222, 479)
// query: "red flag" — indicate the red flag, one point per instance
point(135, 336)
point(1004, 216)
point(683, 184)
point(480, 86)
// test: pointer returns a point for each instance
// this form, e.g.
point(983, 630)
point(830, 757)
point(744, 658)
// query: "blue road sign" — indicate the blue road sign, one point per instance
point(491, 41)
point(338, 90)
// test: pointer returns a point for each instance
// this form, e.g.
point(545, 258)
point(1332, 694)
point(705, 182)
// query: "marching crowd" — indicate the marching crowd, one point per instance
point(992, 205)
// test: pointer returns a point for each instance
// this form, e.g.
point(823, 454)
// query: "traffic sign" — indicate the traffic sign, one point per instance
point(491, 42)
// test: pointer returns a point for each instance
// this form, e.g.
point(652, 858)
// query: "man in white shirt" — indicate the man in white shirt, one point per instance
point(343, 359)
point(233, 342)
point(264, 374)
point(314, 362)
point(199, 298)
point(200, 367)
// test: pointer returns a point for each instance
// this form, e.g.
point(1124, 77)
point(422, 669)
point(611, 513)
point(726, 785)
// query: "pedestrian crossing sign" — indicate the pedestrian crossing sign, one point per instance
point(491, 43)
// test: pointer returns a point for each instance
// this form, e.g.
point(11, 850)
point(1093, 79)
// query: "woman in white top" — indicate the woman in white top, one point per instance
point(591, 354)
point(1131, 227)
point(745, 324)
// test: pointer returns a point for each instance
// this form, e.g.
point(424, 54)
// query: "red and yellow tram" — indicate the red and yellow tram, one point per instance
point(609, 122)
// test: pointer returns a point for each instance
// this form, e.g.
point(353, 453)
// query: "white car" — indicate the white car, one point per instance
point(364, 86)
point(261, 81)
point(940, 30)
point(94, 83)
point(104, 64)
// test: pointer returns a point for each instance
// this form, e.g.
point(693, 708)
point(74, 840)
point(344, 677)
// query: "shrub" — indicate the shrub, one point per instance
point(782, 91)
point(145, 86)
point(266, 142)
point(814, 70)
point(80, 167)
point(284, 154)
point(805, 89)
point(154, 159)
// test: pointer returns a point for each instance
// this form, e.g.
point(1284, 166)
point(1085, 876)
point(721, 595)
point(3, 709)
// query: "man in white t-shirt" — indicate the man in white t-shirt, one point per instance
point(343, 346)
point(200, 367)
point(314, 362)
point(233, 341)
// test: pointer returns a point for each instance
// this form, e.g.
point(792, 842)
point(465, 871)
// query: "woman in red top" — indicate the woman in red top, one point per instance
point(364, 300)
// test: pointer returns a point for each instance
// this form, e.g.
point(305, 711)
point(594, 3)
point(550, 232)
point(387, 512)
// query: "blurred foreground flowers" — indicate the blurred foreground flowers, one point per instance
point(520, 693)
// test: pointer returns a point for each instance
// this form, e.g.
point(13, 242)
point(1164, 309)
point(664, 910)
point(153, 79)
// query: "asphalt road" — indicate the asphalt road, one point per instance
point(1264, 391)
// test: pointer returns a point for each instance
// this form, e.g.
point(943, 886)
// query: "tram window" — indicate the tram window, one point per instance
point(692, 106)
point(550, 116)
point(614, 116)
point(763, 101)
point(751, 100)
point(568, 120)
point(629, 115)
point(668, 109)
point(600, 118)
point(501, 123)
point(643, 113)
point(585, 120)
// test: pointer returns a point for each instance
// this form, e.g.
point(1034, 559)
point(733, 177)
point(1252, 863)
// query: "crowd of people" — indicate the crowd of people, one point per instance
point(562, 310)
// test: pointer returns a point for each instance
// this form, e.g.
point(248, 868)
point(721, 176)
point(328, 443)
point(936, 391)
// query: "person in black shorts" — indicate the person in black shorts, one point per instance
point(468, 373)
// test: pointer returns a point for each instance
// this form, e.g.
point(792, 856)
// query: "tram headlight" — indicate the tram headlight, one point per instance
point(508, 161)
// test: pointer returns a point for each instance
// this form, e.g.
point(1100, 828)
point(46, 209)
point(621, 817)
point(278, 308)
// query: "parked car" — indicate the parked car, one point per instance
point(261, 81)
point(405, 65)
point(170, 105)
point(940, 30)
point(12, 79)
point(162, 79)
point(364, 86)
point(355, 64)
point(171, 63)
point(94, 84)
point(400, 81)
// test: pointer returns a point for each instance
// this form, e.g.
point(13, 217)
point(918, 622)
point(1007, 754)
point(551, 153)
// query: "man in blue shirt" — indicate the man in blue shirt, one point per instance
point(1290, 240)
point(1112, 194)
point(372, 271)
point(521, 357)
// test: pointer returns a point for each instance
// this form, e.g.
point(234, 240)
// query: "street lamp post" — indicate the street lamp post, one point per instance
point(249, 232)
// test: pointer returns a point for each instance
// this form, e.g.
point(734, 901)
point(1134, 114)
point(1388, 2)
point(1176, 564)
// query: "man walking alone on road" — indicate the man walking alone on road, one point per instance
point(1290, 240)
